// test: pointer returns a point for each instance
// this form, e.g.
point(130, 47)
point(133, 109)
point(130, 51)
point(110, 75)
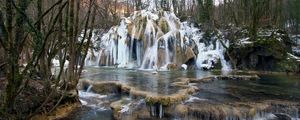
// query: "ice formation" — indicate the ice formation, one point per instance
point(153, 39)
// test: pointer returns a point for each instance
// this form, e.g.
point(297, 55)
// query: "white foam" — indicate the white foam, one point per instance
point(194, 99)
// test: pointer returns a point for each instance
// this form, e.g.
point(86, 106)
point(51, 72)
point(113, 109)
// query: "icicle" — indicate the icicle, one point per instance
point(152, 109)
point(167, 57)
point(123, 50)
point(160, 111)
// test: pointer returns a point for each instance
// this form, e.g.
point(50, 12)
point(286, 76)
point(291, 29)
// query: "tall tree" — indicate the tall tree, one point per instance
point(206, 12)
point(256, 8)
point(13, 42)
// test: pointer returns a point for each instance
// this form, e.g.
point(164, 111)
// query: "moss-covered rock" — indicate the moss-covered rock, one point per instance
point(289, 64)
point(163, 24)
point(268, 52)
point(172, 66)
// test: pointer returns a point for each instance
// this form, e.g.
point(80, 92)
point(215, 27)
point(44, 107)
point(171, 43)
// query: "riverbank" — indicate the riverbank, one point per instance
point(62, 112)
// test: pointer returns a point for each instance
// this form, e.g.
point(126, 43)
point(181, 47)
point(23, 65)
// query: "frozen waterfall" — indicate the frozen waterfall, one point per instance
point(156, 40)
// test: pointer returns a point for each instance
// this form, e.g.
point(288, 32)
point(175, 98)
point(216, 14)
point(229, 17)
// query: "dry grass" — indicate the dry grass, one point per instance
point(60, 112)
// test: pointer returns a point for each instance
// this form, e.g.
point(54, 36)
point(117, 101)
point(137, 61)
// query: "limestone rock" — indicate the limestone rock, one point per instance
point(172, 66)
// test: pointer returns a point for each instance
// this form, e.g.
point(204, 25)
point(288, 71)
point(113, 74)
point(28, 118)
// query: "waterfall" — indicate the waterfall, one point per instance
point(152, 39)
point(150, 58)
point(89, 88)
point(123, 50)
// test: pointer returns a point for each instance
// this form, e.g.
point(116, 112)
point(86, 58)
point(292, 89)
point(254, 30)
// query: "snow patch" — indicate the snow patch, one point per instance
point(184, 66)
point(125, 108)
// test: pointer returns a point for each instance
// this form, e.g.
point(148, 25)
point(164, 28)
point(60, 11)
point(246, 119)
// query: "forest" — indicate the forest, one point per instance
point(53, 51)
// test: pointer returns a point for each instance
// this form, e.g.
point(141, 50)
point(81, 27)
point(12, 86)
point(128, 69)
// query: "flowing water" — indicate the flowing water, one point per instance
point(271, 97)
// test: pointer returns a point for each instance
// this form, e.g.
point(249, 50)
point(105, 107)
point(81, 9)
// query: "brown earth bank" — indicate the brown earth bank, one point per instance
point(60, 113)
point(38, 99)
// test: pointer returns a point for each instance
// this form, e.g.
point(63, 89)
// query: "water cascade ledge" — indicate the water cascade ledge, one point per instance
point(159, 105)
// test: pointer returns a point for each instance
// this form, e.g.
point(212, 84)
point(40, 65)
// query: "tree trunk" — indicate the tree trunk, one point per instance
point(14, 77)
point(71, 41)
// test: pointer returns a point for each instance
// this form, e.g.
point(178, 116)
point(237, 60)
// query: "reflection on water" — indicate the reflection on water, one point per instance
point(144, 80)
point(273, 87)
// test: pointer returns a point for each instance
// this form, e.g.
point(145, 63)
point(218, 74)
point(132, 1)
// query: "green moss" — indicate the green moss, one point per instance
point(273, 47)
point(141, 27)
point(164, 26)
point(158, 100)
point(265, 53)
point(218, 65)
point(288, 65)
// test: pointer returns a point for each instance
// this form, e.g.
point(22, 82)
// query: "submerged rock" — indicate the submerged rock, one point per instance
point(181, 110)
point(223, 77)
point(172, 66)
point(119, 107)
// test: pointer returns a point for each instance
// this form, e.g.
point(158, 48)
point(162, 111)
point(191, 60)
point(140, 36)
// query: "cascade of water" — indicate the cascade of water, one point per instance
point(167, 55)
point(170, 18)
point(89, 88)
point(152, 5)
point(123, 50)
point(113, 53)
point(225, 65)
point(150, 58)
point(152, 39)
